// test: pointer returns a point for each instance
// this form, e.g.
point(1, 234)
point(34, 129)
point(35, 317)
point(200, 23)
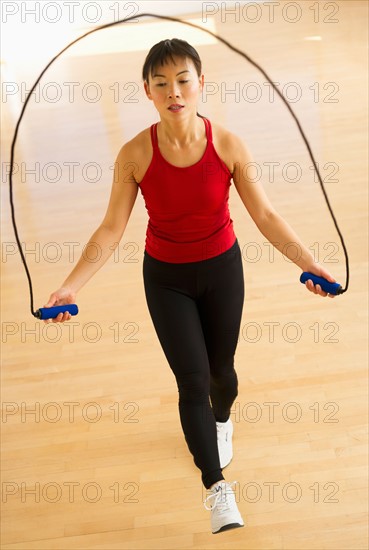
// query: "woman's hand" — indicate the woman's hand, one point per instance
point(317, 269)
point(61, 297)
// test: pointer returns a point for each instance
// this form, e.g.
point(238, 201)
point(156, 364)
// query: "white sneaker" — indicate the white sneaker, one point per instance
point(224, 512)
point(224, 435)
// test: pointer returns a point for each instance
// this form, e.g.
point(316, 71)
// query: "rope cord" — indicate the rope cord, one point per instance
point(233, 48)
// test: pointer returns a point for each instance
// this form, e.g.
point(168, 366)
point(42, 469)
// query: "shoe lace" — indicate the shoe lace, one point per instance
point(222, 430)
point(222, 433)
point(219, 497)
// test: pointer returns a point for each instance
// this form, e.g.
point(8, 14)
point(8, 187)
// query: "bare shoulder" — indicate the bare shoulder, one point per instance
point(229, 146)
point(137, 152)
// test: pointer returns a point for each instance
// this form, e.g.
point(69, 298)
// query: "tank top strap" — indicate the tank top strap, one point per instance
point(209, 133)
point(154, 136)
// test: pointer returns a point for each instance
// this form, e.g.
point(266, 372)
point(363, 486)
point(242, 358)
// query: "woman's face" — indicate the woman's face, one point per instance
point(175, 84)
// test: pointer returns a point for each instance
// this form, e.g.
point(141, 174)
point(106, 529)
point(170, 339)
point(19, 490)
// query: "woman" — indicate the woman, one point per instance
point(192, 265)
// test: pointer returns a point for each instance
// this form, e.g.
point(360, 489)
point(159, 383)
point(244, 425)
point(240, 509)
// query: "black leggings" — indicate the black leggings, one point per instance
point(196, 310)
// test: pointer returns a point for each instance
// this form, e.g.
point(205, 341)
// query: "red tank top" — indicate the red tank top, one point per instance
point(188, 210)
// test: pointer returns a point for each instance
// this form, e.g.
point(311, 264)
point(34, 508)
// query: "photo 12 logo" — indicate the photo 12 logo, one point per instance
point(68, 12)
point(270, 12)
point(70, 492)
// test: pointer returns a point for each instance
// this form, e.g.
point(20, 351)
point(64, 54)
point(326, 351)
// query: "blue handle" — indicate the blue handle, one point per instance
point(52, 312)
point(331, 288)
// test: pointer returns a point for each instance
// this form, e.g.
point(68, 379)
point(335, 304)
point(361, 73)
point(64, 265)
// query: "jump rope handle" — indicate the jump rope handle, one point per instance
point(331, 288)
point(51, 312)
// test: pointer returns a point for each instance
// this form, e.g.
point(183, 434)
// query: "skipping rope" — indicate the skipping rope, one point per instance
point(52, 312)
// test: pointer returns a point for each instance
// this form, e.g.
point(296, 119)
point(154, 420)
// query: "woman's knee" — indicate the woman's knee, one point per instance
point(194, 387)
point(226, 381)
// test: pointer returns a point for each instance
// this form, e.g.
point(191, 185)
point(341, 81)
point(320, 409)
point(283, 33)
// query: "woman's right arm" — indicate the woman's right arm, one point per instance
point(107, 236)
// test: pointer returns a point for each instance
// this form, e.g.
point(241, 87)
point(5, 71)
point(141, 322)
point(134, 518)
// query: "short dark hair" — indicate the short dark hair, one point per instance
point(167, 49)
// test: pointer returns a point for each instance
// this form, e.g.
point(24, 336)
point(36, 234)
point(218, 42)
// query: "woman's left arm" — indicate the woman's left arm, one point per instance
point(271, 224)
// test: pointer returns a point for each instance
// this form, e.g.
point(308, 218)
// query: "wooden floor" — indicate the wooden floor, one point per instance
point(93, 455)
